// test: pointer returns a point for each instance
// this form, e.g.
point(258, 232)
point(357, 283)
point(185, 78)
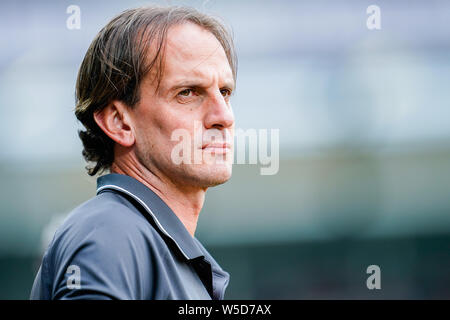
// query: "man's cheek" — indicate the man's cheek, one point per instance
point(181, 146)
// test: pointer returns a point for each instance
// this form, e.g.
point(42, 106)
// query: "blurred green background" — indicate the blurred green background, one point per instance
point(364, 119)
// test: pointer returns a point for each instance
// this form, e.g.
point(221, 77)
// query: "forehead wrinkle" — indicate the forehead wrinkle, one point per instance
point(202, 79)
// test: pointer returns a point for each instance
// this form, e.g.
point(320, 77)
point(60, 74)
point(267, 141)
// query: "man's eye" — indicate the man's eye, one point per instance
point(185, 92)
point(225, 92)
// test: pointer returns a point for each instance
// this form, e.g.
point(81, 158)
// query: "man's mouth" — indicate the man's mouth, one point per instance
point(217, 147)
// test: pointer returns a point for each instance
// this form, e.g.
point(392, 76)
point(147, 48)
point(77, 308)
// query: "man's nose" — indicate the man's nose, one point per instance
point(219, 114)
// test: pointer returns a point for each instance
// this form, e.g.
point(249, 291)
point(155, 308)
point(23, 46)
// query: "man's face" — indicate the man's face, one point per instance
point(194, 96)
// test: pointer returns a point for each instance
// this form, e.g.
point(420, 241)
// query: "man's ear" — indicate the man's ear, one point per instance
point(115, 121)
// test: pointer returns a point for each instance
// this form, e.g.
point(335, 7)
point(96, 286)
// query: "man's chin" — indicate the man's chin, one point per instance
point(216, 182)
point(214, 176)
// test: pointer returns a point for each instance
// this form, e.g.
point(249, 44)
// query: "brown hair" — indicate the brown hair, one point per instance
point(117, 61)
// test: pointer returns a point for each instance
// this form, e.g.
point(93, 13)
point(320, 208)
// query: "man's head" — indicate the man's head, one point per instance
point(148, 73)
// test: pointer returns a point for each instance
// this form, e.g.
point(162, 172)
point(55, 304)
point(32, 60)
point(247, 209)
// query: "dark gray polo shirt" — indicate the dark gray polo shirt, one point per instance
point(126, 243)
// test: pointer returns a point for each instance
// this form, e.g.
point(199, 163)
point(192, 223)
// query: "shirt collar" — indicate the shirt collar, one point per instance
point(165, 219)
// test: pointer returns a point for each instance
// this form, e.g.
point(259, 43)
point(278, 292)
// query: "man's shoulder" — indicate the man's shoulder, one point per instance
point(112, 245)
point(105, 208)
point(108, 221)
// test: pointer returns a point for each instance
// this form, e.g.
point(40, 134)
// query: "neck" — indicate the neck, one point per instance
point(185, 202)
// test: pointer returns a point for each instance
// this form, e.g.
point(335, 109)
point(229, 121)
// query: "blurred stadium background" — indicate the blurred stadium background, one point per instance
point(364, 119)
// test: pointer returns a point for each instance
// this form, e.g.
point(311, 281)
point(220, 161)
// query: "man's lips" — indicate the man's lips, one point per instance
point(217, 147)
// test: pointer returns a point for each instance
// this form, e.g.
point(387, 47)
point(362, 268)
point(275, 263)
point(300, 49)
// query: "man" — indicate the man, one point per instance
point(148, 74)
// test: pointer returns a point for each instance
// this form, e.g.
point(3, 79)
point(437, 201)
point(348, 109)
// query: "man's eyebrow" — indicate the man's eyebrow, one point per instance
point(230, 84)
point(199, 84)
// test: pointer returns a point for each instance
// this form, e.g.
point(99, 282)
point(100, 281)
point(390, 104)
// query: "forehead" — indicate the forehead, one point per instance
point(192, 51)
